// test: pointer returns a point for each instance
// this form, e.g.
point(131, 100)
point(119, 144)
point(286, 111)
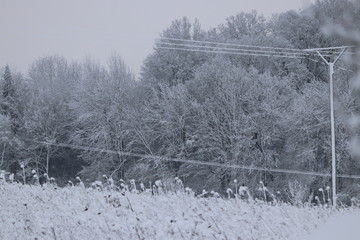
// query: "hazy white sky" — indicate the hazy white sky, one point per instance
point(30, 29)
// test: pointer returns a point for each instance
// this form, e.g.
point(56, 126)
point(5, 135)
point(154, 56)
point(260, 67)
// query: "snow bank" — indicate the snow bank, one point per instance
point(32, 212)
point(342, 226)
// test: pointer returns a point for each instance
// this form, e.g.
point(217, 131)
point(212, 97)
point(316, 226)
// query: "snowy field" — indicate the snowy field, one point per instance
point(32, 212)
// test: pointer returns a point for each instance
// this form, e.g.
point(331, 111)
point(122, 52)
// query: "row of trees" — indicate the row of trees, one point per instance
point(244, 110)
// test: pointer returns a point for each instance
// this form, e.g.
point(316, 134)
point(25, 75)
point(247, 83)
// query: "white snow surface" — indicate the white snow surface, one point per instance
point(342, 226)
point(33, 212)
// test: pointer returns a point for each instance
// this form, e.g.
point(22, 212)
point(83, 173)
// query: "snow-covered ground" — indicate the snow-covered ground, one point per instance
point(341, 226)
point(31, 212)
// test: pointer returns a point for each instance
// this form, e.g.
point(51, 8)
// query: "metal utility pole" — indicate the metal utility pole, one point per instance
point(332, 118)
point(186, 45)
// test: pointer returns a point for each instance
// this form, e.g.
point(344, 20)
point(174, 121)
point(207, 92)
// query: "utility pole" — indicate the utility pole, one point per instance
point(332, 117)
point(330, 52)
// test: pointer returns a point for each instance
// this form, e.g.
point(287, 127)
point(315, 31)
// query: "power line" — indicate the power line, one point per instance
point(190, 161)
point(231, 44)
point(235, 53)
point(328, 50)
point(321, 52)
point(242, 51)
point(231, 49)
point(344, 69)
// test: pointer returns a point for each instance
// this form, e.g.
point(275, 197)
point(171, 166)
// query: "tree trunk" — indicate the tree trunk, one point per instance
point(224, 180)
point(3, 155)
point(47, 160)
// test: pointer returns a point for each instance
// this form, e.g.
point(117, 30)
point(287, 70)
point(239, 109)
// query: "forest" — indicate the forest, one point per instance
point(233, 110)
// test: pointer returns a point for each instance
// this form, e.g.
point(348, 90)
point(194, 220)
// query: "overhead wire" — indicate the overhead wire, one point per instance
point(231, 49)
point(234, 53)
point(191, 161)
point(296, 53)
point(172, 45)
point(328, 50)
point(324, 64)
point(231, 44)
point(282, 52)
point(240, 51)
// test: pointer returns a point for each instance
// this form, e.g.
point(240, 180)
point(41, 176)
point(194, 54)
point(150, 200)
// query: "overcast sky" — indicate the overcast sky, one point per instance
point(30, 29)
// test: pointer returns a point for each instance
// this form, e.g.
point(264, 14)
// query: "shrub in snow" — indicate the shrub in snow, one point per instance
point(204, 194)
point(327, 189)
point(35, 178)
point(52, 181)
point(158, 187)
point(178, 184)
point(114, 201)
point(158, 183)
point(43, 179)
point(214, 194)
point(244, 193)
point(321, 190)
point(262, 193)
point(123, 187)
point(132, 187)
point(112, 185)
point(297, 192)
point(2, 176)
point(142, 187)
point(189, 191)
point(354, 202)
point(97, 185)
point(108, 183)
point(11, 178)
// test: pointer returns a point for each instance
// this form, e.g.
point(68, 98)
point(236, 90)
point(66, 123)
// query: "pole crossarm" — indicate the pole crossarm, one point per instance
point(328, 48)
point(323, 58)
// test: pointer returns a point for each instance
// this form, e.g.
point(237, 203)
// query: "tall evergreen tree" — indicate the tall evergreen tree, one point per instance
point(8, 87)
point(8, 107)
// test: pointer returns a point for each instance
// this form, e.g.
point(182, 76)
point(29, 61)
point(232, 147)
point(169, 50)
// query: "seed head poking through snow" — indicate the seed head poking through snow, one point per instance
point(11, 178)
point(178, 185)
point(327, 189)
point(133, 186)
point(189, 191)
point(79, 182)
point(70, 183)
point(236, 186)
point(323, 195)
point(244, 192)
point(158, 187)
point(229, 193)
point(35, 178)
point(142, 186)
point(97, 185)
